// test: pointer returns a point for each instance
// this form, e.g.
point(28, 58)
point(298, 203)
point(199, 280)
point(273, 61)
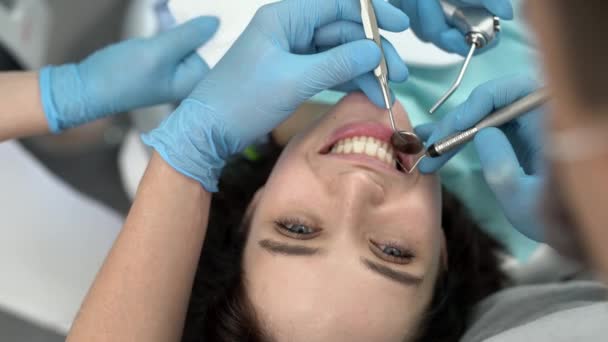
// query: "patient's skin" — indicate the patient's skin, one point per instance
point(343, 218)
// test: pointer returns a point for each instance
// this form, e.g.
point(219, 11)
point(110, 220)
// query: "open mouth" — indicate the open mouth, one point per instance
point(369, 147)
point(367, 141)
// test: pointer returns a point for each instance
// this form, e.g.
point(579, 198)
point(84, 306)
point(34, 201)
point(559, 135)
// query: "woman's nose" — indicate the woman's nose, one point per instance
point(357, 191)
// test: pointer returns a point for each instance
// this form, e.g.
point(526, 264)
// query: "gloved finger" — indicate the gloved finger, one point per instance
point(454, 41)
point(424, 131)
point(430, 165)
point(515, 190)
point(498, 159)
point(480, 103)
point(526, 127)
point(324, 12)
point(347, 88)
point(526, 136)
point(501, 8)
point(369, 85)
point(409, 7)
point(187, 76)
point(490, 96)
point(390, 18)
point(441, 130)
point(341, 32)
point(184, 39)
point(366, 83)
point(334, 67)
point(432, 14)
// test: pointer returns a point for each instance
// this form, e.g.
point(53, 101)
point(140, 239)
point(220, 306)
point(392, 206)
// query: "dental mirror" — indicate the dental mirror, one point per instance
point(406, 142)
point(402, 141)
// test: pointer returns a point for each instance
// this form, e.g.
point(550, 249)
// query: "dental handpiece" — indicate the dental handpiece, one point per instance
point(496, 119)
point(480, 28)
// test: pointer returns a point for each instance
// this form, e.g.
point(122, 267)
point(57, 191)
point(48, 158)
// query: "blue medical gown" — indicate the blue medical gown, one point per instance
point(462, 175)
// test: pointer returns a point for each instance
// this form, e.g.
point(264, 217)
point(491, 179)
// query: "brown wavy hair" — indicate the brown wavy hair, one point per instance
point(220, 311)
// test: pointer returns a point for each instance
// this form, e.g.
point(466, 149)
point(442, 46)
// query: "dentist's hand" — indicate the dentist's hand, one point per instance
point(511, 156)
point(132, 74)
point(271, 69)
point(429, 23)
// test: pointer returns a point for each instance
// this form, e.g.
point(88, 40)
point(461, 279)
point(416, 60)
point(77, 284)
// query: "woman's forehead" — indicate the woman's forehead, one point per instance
point(332, 306)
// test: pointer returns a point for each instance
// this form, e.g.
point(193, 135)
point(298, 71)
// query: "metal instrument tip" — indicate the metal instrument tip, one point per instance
point(458, 81)
point(413, 168)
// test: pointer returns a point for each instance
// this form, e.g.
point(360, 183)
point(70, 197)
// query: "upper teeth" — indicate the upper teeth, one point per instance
point(368, 146)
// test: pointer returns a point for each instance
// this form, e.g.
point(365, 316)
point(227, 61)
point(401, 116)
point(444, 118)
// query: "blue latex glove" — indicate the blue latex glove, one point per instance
point(429, 24)
point(511, 157)
point(136, 73)
point(271, 69)
point(343, 32)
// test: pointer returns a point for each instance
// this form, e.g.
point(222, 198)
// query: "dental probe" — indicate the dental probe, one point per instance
point(496, 119)
point(402, 141)
point(480, 28)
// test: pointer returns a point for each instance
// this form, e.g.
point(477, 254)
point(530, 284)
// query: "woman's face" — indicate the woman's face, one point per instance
point(343, 246)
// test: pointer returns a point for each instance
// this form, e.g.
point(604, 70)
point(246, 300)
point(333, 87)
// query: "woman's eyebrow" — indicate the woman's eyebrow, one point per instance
point(403, 278)
point(276, 247)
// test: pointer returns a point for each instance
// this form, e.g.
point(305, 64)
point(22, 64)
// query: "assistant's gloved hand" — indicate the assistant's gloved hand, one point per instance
point(511, 157)
point(132, 74)
point(429, 23)
point(271, 69)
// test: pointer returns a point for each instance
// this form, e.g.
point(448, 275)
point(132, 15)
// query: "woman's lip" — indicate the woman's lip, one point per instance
point(366, 161)
point(358, 129)
point(407, 160)
point(367, 129)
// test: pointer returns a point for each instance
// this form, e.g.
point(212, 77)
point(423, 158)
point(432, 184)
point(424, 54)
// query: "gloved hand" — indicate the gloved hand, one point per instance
point(136, 73)
point(271, 69)
point(511, 157)
point(429, 24)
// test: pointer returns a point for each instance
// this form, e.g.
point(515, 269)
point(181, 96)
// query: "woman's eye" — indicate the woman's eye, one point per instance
point(296, 229)
point(392, 252)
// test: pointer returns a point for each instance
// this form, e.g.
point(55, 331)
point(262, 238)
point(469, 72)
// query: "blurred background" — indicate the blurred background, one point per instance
point(45, 265)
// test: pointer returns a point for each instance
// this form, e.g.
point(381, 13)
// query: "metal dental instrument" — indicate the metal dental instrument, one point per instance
point(480, 28)
point(496, 119)
point(402, 141)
